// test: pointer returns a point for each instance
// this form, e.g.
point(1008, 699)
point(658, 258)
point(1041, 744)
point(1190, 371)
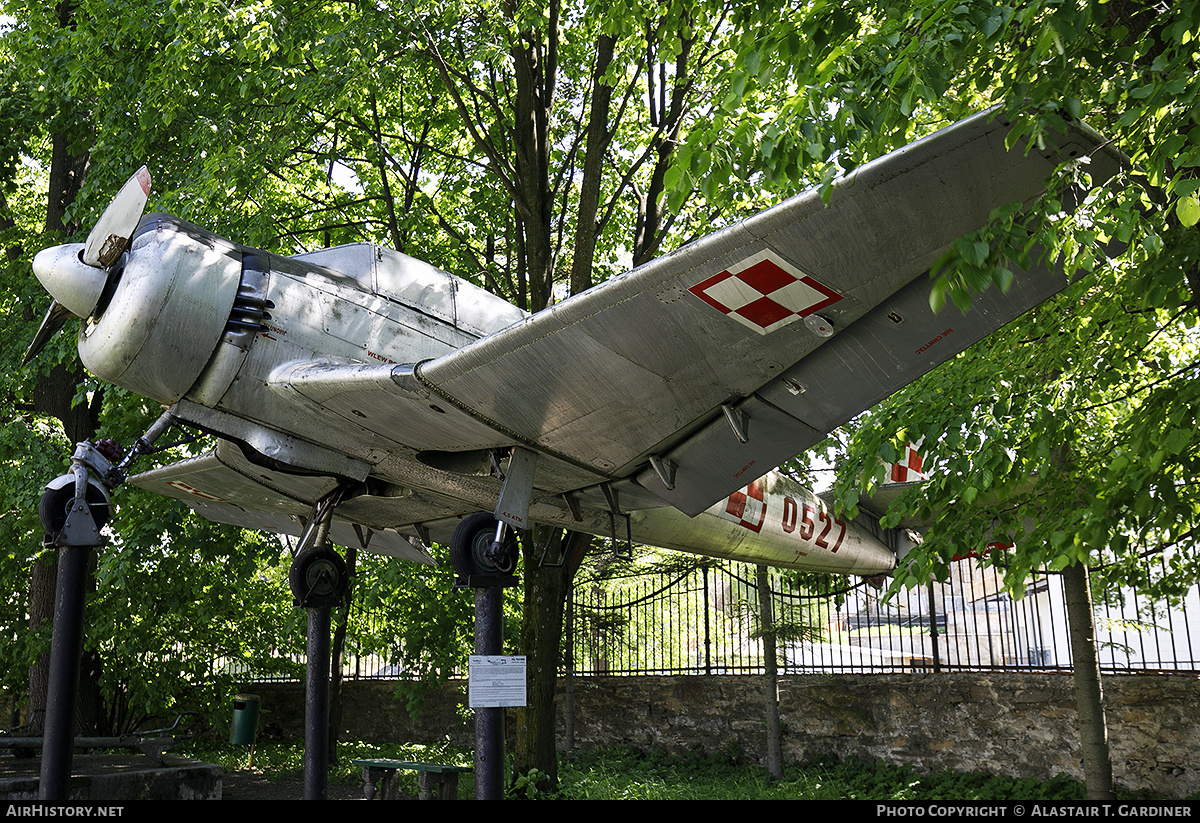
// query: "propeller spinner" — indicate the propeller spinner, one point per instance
point(75, 274)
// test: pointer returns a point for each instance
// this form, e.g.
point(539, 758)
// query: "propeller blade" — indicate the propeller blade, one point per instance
point(112, 231)
point(56, 316)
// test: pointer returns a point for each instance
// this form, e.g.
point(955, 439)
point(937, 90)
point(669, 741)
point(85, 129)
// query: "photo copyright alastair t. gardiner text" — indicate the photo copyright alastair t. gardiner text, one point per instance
point(1038, 810)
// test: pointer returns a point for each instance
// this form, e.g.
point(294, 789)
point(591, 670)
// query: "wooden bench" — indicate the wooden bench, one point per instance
point(434, 780)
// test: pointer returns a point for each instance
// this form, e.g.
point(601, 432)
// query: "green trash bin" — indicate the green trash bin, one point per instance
point(244, 727)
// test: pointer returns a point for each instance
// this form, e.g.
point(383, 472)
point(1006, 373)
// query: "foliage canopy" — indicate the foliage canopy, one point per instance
point(537, 148)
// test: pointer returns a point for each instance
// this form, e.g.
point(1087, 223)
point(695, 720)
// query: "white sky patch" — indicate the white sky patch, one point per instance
point(344, 178)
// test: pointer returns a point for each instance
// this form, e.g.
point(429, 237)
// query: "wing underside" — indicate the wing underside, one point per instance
point(225, 487)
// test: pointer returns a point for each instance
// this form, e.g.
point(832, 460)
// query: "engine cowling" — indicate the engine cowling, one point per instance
point(170, 303)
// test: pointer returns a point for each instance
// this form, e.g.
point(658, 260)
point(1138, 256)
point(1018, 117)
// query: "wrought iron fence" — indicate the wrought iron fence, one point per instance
point(706, 621)
point(628, 620)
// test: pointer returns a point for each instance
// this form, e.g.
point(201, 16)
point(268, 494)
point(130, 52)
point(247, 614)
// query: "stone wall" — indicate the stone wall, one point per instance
point(1015, 724)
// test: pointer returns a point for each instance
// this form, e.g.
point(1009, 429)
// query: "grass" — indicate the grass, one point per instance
point(628, 774)
point(636, 776)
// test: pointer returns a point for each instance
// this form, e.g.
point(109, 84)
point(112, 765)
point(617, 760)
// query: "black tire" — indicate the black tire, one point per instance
point(58, 498)
point(318, 577)
point(469, 548)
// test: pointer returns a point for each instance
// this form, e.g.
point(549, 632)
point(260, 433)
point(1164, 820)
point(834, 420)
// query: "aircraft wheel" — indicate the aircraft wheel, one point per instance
point(318, 577)
point(470, 545)
point(59, 496)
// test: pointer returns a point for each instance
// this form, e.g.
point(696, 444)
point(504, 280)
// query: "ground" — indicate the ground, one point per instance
point(248, 785)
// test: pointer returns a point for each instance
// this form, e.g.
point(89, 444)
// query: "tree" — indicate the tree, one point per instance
point(576, 127)
point(1069, 432)
point(181, 607)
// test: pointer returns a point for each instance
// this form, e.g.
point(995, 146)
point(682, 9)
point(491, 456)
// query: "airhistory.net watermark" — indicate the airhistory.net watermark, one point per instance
point(50, 810)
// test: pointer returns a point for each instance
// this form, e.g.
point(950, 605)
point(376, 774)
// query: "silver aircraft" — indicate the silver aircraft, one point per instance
point(401, 405)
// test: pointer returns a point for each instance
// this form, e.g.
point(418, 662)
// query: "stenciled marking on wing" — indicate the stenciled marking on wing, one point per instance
point(192, 490)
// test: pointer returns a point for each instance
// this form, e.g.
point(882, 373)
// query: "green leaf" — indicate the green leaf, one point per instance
point(1003, 278)
point(1177, 441)
point(961, 298)
point(750, 61)
point(937, 296)
point(1188, 210)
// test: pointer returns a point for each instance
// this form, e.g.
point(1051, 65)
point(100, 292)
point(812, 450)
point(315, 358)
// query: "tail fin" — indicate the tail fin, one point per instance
point(909, 468)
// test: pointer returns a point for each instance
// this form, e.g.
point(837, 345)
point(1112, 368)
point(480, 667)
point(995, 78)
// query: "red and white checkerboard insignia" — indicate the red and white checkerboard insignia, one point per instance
point(908, 469)
point(764, 293)
point(747, 508)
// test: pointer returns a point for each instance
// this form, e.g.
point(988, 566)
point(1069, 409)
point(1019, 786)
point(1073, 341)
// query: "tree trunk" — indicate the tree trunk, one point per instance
point(534, 73)
point(545, 591)
point(599, 136)
point(1089, 698)
point(42, 577)
point(770, 673)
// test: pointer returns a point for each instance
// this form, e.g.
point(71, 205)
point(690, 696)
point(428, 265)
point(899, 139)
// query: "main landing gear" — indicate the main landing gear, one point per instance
point(319, 581)
point(318, 577)
point(482, 546)
point(483, 555)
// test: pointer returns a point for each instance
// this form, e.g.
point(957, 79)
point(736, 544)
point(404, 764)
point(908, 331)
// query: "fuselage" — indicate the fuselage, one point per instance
point(234, 340)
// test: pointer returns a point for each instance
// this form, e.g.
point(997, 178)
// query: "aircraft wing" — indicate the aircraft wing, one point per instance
point(773, 331)
point(223, 486)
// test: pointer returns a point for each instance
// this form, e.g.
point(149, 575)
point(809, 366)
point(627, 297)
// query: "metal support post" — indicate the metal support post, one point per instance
point(489, 722)
point(933, 631)
point(66, 646)
point(316, 705)
point(318, 581)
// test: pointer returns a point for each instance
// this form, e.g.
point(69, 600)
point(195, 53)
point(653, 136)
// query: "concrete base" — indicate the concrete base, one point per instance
point(117, 777)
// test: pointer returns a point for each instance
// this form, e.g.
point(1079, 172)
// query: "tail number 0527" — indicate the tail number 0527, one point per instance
point(811, 518)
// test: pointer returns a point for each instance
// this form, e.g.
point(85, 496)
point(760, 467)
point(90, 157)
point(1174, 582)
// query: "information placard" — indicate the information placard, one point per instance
point(495, 680)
